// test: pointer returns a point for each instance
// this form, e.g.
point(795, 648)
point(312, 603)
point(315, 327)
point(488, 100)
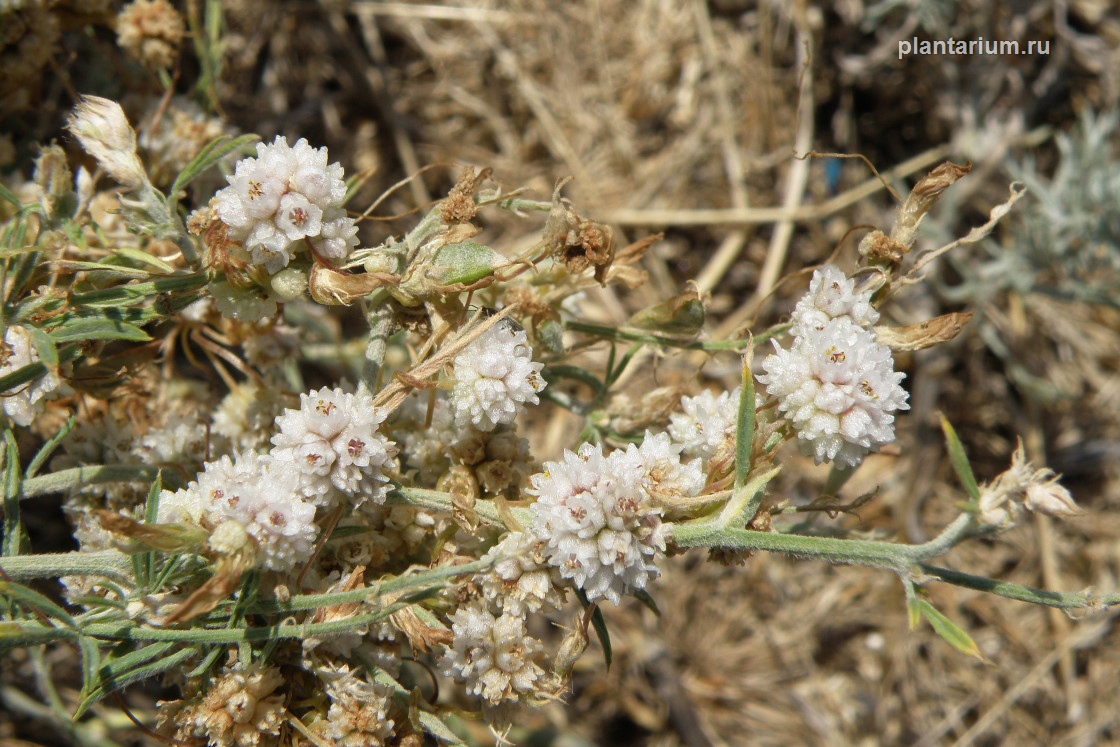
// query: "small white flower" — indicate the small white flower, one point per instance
point(260, 496)
point(521, 581)
point(495, 377)
point(23, 403)
point(832, 294)
point(493, 655)
point(600, 526)
point(706, 422)
point(332, 444)
point(284, 195)
point(839, 389)
point(338, 236)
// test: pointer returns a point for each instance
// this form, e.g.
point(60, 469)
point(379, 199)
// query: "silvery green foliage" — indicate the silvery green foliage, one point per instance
point(286, 194)
point(1070, 239)
point(835, 384)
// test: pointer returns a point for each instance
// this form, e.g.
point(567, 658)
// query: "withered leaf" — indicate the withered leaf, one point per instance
point(924, 334)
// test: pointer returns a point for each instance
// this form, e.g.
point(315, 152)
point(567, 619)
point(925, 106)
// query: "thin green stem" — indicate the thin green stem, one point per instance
point(107, 563)
point(890, 555)
point(370, 594)
point(1061, 600)
point(76, 477)
point(436, 500)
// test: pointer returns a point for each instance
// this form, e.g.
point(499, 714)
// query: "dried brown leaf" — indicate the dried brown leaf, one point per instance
point(924, 334)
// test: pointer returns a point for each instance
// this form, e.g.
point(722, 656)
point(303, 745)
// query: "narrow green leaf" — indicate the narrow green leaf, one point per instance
point(913, 613)
point(433, 725)
point(6, 194)
point(953, 634)
point(151, 513)
point(143, 258)
point(13, 479)
point(106, 271)
point(98, 329)
point(744, 432)
point(644, 597)
point(49, 447)
point(15, 251)
point(207, 662)
point(600, 624)
point(44, 346)
point(91, 662)
point(960, 460)
point(21, 376)
point(28, 597)
point(112, 679)
point(214, 151)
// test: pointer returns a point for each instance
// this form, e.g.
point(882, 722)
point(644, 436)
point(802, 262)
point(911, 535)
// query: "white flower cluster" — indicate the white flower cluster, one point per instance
point(521, 581)
point(331, 443)
point(492, 654)
point(836, 384)
point(324, 451)
point(285, 194)
point(250, 495)
point(359, 713)
point(600, 516)
point(495, 376)
point(707, 422)
point(25, 402)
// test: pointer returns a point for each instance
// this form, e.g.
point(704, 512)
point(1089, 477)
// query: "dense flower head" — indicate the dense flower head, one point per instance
point(258, 495)
point(25, 402)
point(832, 295)
point(706, 422)
point(521, 581)
point(240, 706)
point(358, 715)
point(286, 194)
point(495, 377)
point(600, 516)
point(331, 443)
point(492, 654)
point(839, 389)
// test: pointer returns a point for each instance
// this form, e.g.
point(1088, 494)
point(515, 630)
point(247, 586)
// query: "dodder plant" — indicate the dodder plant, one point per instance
point(293, 558)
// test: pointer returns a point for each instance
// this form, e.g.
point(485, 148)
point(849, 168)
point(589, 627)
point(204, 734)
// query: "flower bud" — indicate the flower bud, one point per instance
point(1051, 499)
point(289, 284)
point(103, 130)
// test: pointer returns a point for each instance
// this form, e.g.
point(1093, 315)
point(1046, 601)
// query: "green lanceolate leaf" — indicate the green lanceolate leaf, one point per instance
point(600, 624)
point(960, 460)
point(116, 674)
point(44, 346)
point(214, 151)
point(30, 598)
point(744, 433)
point(98, 329)
point(953, 634)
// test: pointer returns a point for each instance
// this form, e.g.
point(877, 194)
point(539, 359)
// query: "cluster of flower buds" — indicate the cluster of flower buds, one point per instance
point(836, 384)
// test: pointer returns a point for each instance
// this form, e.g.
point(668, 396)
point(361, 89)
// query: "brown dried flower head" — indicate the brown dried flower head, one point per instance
point(151, 31)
